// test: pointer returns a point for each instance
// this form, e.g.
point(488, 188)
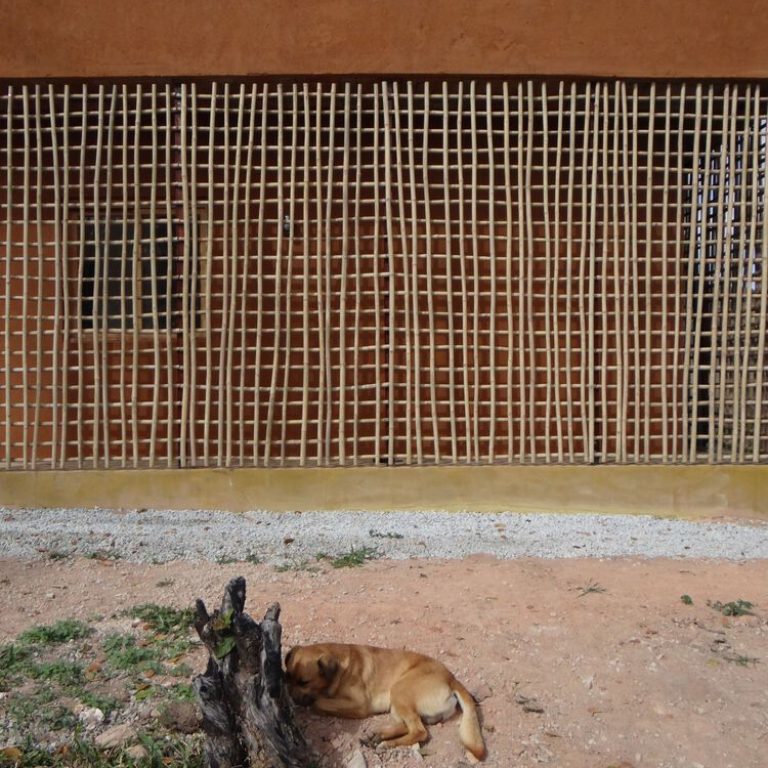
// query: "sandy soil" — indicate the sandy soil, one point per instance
point(624, 675)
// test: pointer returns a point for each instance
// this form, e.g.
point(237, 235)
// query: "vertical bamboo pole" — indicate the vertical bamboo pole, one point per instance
point(402, 228)
point(724, 176)
point(99, 301)
point(702, 254)
point(376, 267)
point(244, 289)
point(222, 391)
point(586, 273)
point(58, 260)
point(171, 415)
point(739, 346)
point(25, 281)
point(548, 306)
point(209, 280)
point(392, 293)
point(155, 322)
point(342, 438)
point(620, 297)
point(135, 272)
point(463, 272)
point(508, 275)
point(8, 390)
point(665, 274)
point(321, 333)
point(760, 363)
point(678, 409)
point(187, 309)
point(278, 278)
point(648, 265)
point(476, 356)
point(414, 287)
point(123, 280)
point(491, 456)
point(197, 319)
point(727, 173)
point(328, 261)
point(554, 312)
point(522, 212)
point(631, 266)
point(449, 276)
point(592, 447)
point(105, 327)
point(80, 278)
point(609, 247)
point(231, 306)
point(529, 258)
point(754, 423)
point(289, 269)
point(39, 288)
point(260, 273)
point(569, 388)
point(358, 270)
point(305, 285)
point(429, 257)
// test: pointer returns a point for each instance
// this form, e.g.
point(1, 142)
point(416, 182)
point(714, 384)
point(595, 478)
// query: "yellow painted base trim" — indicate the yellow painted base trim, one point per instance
point(689, 491)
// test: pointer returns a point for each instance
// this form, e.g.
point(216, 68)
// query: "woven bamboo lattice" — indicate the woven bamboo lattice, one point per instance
point(281, 274)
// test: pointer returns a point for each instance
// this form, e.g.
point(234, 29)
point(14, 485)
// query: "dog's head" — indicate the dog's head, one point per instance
point(310, 671)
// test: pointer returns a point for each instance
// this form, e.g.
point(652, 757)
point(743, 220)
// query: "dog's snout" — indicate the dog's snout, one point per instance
point(303, 699)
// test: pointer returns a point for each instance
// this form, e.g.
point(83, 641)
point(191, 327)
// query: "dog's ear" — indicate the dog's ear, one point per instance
point(288, 657)
point(328, 666)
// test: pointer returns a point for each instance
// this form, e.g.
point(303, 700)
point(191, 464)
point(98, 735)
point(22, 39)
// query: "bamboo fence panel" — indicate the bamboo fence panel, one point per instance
point(396, 272)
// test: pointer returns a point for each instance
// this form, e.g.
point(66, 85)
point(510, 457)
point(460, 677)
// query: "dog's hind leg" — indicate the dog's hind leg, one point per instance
point(408, 727)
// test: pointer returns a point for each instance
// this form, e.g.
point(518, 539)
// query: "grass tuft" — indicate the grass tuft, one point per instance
point(734, 608)
point(590, 588)
point(354, 558)
point(61, 632)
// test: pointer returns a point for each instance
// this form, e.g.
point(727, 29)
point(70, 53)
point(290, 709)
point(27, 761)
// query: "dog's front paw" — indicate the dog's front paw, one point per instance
point(370, 738)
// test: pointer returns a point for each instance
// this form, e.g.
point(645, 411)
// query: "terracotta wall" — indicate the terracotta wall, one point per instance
point(641, 38)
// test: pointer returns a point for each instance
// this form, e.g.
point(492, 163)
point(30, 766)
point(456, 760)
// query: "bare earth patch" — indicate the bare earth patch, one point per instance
point(577, 663)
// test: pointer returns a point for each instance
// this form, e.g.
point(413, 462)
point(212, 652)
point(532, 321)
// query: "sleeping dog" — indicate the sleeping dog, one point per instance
point(360, 680)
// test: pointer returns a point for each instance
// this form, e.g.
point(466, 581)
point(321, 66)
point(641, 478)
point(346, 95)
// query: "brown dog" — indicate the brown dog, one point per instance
point(361, 680)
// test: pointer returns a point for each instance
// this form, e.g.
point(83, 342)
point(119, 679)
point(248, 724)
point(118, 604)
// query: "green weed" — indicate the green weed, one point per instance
point(590, 588)
point(67, 674)
point(352, 559)
point(124, 655)
point(104, 554)
point(163, 619)
point(60, 632)
point(384, 534)
point(734, 608)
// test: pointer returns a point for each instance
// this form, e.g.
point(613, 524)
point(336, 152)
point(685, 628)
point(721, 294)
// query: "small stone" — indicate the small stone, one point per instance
point(137, 752)
point(117, 736)
point(90, 717)
point(482, 692)
point(180, 716)
point(356, 760)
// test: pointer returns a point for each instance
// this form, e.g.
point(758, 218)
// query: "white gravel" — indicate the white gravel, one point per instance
point(159, 536)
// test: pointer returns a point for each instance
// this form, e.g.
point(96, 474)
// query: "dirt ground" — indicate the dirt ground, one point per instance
point(576, 663)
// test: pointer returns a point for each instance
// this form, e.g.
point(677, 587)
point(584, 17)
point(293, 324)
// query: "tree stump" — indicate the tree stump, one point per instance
point(247, 712)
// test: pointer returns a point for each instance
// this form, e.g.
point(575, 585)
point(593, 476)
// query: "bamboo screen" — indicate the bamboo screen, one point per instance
point(270, 274)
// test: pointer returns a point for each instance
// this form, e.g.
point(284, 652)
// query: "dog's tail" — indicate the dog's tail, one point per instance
point(469, 728)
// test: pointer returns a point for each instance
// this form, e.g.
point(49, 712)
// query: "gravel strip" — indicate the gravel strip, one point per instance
point(153, 536)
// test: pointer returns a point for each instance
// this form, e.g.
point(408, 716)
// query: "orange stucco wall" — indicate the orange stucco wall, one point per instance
point(641, 38)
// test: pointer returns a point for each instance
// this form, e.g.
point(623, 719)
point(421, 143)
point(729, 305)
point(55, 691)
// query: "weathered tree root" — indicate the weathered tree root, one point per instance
point(247, 712)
